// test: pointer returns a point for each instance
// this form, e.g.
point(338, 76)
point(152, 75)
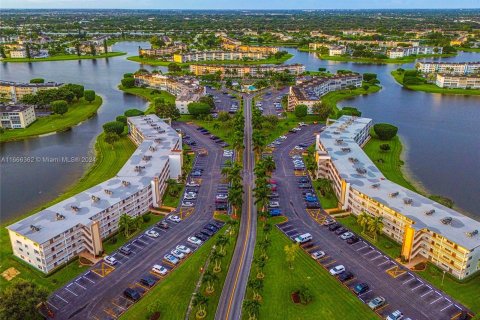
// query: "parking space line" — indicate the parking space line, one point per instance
point(118, 306)
point(61, 298)
point(378, 265)
point(84, 277)
point(110, 313)
point(80, 285)
point(382, 307)
point(376, 257)
point(76, 295)
point(329, 264)
point(436, 299)
point(429, 291)
point(51, 305)
point(364, 293)
point(420, 285)
point(407, 281)
point(449, 305)
point(361, 248)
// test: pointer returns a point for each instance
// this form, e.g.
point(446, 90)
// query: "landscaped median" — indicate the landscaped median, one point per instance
point(64, 57)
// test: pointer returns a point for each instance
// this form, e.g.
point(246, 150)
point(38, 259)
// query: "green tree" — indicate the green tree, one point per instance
point(363, 219)
point(133, 113)
point(305, 294)
point(322, 109)
point(105, 46)
point(260, 262)
point(385, 131)
point(290, 253)
point(217, 259)
point(301, 111)
point(89, 95)
point(197, 109)
point(128, 82)
point(165, 109)
point(93, 50)
point(77, 89)
point(384, 147)
point(114, 126)
point(19, 300)
point(201, 302)
point(256, 285)
point(375, 226)
point(37, 80)
point(210, 278)
point(121, 119)
point(208, 100)
point(125, 224)
point(27, 51)
point(173, 67)
point(111, 138)
point(59, 107)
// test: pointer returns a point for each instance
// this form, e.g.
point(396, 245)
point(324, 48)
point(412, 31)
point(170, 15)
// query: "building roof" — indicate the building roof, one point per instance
point(374, 184)
point(127, 182)
point(14, 107)
point(37, 85)
point(306, 90)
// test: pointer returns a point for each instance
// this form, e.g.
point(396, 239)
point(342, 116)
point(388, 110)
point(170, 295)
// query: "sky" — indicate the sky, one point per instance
point(243, 4)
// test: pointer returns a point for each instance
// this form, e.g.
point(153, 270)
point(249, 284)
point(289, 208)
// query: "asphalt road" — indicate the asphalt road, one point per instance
point(408, 293)
point(91, 296)
point(233, 293)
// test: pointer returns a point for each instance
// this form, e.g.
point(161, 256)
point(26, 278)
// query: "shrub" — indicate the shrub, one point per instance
point(350, 111)
point(59, 107)
point(89, 95)
point(301, 111)
point(305, 295)
point(121, 119)
point(37, 80)
point(128, 75)
point(385, 147)
point(128, 82)
point(114, 127)
point(385, 131)
point(369, 76)
point(146, 218)
point(133, 113)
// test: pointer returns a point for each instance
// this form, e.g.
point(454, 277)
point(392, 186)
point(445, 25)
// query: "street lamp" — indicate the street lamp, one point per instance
point(443, 277)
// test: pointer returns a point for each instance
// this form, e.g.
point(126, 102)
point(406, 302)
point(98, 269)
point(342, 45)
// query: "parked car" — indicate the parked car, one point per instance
point(207, 232)
point(221, 206)
point(201, 236)
point(304, 185)
point(347, 235)
point(171, 259)
point(345, 276)
point(360, 288)
point(303, 238)
point(161, 270)
point(318, 255)
point(152, 233)
point(275, 212)
point(125, 250)
point(149, 281)
point(222, 196)
point(329, 221)
point(132, 294)
point(110, 260)
point(183, 249)
point(313, 205)
point(174, 218)
point(163, 225)
point(337, 270)
point(177, 254)
point(353, 240)
point(187, 204)
point(311, 198)
point(274, 204)
point(334, 226)
point(395, 315)
point(212, 227)
point(192, 184)
point(273, 195)
point(303, 180)
point(190, 196)
point(194, 240)
point(376, 303)
point(340, 231)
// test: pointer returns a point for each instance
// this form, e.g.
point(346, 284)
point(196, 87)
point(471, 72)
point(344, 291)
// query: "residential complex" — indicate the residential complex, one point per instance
point(241, 71)
point(236, 45)
point(471, 81)
point(16, 116)
point(185, 89)
point(381, 44)
point(337, 50)
point(166, 51)
point(79, 224)
point(448, 67)
point(426, 229)
point(401, 52)
point(309, 90)
point(217, 55)
point(15, 91)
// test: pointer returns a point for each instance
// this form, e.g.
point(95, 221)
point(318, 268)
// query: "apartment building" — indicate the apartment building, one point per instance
point(15, 91)
point(400, 52)
point(471, 81)
point(161, 52)
point(337, 50)
point(185, 89)
point(228, 40)
point(16, 116)
point(310, 90)
point(426, 229)
point(79, 224)
point(21, 53)
point(239, 71)
point(448, 67)
point(246, 48)
point(87, 46)
point(217, 55)
point(380, 43)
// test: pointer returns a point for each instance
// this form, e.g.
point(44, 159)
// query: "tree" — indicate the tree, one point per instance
point(37, 80)
point(105, 46)
point(375, 225)
point(59, 107)
point(128, 82)
point(256, 285)
point(322, 109)
point(173, 67)
point(89, 95)
point(369, 76)
point(385, 131)
point(77, 48)
point(290, 253)
point(65, 94)
point(305, 294)
point(210, 278)
point(114, 126)
point(125, 223)
point(27, 51)
point(260, 263)
point(252, 307)
point(363, 220)
point(19, 300)
point(301, 111)
point(269, 164)
point(217, 258)
point(111, 138)
point(165, 109)
point(133, 113)
point(77, 89)
point(197, 109)
point(121, 119)
point(235, 194)
point(93, 50)
point(384, 147)
point(200, 301)
point(2, 52)
point(208, 100)
point(222, 241)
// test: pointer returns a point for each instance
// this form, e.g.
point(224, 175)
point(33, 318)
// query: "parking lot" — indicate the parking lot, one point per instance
point(99, 292)
point(402, 289)
point(223, 99)
point(271, 101)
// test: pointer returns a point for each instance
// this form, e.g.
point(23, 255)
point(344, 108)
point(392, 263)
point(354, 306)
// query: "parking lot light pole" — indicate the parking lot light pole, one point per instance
point(443, 277)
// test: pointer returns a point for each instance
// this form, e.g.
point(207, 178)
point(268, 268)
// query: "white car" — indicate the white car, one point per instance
point(302, 124)
point(184, 249)
point(174, 218)
point(347, 235)
point(318, 254)
point(190, 196)
point(283, 137)
point(274, 204)
point(152, 233)
point(177, 253)
point(110, 260)
point(194, 240)
point(337, 270)
point(221, 196)
point(395, 315)
point(298, 148)
point(297, 157)
point(192, 184)
point(187, 204)
point(161, 270)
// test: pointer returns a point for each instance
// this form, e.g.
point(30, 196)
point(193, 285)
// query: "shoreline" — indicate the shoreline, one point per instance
point(64, 58)
point(408, 59)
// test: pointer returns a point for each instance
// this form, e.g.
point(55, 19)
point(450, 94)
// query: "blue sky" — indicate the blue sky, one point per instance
point(244, 4)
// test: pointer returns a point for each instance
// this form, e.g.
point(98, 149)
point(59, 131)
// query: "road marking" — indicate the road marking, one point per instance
point(61, 298)
point(436, 299)
point(76, 295)
point(376, 257)
point(365, 293)
point(407, 281)
point(51, 305)
point(420, 285)
point(447, 307)
point(84, 277)
point(383, 263)
point(80, 285)
point(429, 291)
point(118, 305)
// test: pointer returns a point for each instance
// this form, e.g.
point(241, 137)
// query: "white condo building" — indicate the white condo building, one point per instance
point(54, 236)
point(448, 67)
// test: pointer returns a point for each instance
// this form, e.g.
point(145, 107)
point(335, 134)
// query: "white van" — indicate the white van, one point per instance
point(303, 238)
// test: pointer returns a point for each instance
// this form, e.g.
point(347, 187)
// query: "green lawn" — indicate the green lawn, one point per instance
point(172, 201)
point(331, 300)
point(328, 201)
point(469, 49)
point(77, 112)
point(108, 163)
point(65, 57)
point(149, 94)
point(382, 61)
point(432, 88)
point(215, 127)
point(157, 62)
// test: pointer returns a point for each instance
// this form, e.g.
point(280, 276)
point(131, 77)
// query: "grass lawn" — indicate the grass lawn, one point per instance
point(66, 57)
point(334, 97)
point(77, 112)
point(149, 94)
point(331, 300)
point(328, 201)
point(432, 88)
point(157, 62)
point(215, 127)
point(469, 49)
point(382, 61)
point(172, 201)
point(108, 163)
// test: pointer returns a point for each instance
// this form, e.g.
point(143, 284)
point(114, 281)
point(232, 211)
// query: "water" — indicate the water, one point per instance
point(443, 144)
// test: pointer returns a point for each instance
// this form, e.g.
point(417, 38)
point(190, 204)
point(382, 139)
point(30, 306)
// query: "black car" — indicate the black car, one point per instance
point(353, 240)
point(303, 145)
point(163, 225)
point(125, 250)
point(193, 143)
point(334, 226)
point(303, 180)
point(200, 128)
point(212, 227)
point(132, 294)
point(313, 205)
point(148, 281)
point(304, 185)
point(360, 288)
point(207, 232)
point(345, 276)
point(340, 230)
point(200, 236)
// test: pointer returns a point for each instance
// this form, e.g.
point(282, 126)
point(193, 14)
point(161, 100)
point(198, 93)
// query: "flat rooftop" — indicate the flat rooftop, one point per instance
point(357, 169)
point(14, 107)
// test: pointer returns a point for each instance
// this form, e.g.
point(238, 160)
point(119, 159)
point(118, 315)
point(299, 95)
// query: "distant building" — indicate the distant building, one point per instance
point(87, 46)
point(337, 50)
point(381, 43)
point(15, 91)
point(448, 67)
point(310, 91)
point(216, 55)
point(162, 52)
point(14, 54)
point(16, 116)
point(471, 81)
point(401, 52)
point(240, 71)
point(236, 45)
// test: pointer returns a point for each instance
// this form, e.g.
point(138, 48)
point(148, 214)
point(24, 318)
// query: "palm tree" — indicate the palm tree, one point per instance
point(137, 222)
point(263, 245)
point(375, 226)
point(232, 223)
point(235, 197)
point(363, 220)
point(325, 186)
point(261, 192)
point(256, 285)
point(290, 253)
point(222, 241)
point(267, 227)
point(269, 164)
point(200, 301)
point(260, 263)
point(217, 258)
point(210, 278)
point(252, 307)
point(124, 223)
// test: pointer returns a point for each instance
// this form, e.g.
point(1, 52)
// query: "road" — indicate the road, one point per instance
point(90, 296)
point(231, 299)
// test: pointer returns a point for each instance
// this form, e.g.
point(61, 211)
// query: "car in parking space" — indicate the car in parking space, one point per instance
point(298, 148)
point(174, 218)
point(190, 196)
point(337, 270)
point(177, 254)
point(152, 233)
point(196, 173)
point(274, 204)
point(302, 124)
point(272, 187)
point(304, 185)
point(221, 206)
point(376, 302)
point(132, 294)
point(275, 212)
point(345, 276)
point(273, 195)
point(303, 238)
point(187, 204)
point(125, 250)
point(163, 225)
point(192, 184)
point(303, 180)
point(211, 227)
point(110, 260)
point(222, 196)
point(360, 288)
point(207, 232)
point(329, 221)
point(347, 235)
point(159, 269)
point(334, 226)
point(194, 240)
point(313, 205)
point(318, 255)
point(183, 249)
point(170, 258)
point(340, 231)
point(395, 315)
point(353, 240)
point(148, 281)
point(311, 198)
